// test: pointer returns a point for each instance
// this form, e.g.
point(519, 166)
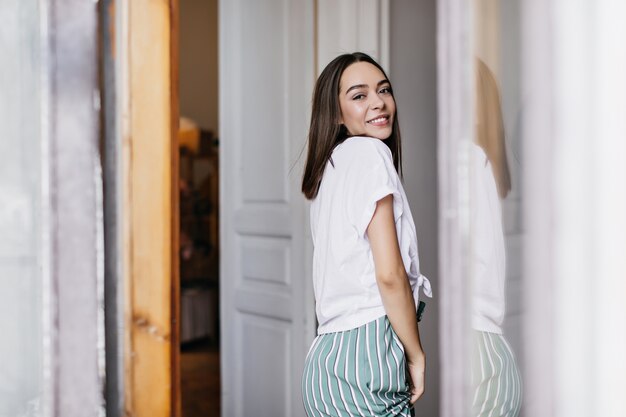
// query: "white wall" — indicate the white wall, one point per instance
point(20, 210)
point(413, 66)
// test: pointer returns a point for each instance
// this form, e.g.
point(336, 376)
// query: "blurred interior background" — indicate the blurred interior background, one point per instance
point(155, 252)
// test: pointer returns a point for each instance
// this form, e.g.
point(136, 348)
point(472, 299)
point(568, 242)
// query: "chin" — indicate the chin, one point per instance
point(380, 135)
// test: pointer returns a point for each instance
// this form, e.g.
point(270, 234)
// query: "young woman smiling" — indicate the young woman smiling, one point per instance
point(367, 359)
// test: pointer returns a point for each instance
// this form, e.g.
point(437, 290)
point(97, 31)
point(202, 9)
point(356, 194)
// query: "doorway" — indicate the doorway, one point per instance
point(199, 208)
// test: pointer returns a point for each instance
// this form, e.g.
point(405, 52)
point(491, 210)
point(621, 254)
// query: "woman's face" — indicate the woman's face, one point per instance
point(366, 101)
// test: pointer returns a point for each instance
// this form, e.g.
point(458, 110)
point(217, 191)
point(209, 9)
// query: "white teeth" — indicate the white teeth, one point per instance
point(379, 120)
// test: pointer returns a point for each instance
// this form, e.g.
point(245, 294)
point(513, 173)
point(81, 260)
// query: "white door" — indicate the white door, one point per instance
point(266, 79)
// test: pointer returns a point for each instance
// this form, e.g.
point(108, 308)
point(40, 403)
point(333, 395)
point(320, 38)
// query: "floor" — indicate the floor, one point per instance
point(200, 379)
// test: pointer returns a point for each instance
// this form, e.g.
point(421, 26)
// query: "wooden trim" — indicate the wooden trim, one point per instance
point(148, 212)
point(175, 215)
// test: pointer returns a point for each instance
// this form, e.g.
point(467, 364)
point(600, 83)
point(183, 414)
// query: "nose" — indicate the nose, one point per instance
point(376, 102)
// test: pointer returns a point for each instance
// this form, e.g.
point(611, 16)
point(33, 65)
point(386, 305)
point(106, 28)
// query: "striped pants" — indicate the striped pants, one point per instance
point(495, 377)
point(357, 372)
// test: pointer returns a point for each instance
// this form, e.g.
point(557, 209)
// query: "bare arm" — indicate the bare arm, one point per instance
point(395, 289)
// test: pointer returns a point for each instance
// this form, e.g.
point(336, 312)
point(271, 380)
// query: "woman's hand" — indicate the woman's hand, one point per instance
point(416, 372)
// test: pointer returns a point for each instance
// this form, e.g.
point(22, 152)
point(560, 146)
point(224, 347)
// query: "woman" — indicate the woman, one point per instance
point(367, 359)
point(496, 380)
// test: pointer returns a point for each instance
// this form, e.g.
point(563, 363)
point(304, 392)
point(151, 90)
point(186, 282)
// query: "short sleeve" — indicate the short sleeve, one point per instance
point(372, 176)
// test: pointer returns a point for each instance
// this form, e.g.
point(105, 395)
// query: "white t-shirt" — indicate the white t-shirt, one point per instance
point(344, 280)
point(488, 253)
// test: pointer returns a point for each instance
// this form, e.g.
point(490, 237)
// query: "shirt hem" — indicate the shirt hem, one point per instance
point(352, 322)
point(485, 326)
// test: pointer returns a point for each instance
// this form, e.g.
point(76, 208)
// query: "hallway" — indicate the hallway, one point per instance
point(200, 389)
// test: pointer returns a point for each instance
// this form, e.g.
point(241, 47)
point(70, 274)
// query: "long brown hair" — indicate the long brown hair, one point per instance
point(325, 133)
point(490, 126)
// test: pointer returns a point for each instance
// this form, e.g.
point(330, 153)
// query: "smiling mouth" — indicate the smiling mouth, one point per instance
point(380, 120)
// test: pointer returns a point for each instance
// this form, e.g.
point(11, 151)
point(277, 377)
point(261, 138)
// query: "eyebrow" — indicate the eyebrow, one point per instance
point(381, 82)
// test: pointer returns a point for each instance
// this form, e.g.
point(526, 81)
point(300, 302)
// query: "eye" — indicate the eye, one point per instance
point(385, 90)
point(359, 96)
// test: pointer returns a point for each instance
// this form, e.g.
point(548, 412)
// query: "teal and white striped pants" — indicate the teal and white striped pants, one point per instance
point(495, 377)
point(357, 372)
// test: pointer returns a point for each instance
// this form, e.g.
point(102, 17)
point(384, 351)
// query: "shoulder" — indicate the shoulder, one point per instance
point(364, 149)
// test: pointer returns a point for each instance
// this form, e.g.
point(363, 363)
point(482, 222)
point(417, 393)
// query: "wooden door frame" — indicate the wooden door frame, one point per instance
point(148, 117)
point(175, 215)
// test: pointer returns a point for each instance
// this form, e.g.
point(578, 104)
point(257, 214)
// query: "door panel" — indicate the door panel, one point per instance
point(265, 378)
point(266, 70)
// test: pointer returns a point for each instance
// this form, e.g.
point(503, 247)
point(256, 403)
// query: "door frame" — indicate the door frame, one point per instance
point(146, 55)
point(70, 213)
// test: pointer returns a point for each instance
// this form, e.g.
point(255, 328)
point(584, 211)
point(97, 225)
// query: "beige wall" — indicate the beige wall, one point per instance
point(198, 62)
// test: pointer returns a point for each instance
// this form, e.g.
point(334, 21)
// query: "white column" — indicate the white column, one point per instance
point(608, 205)
point(454, 89)
point(575, 253)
